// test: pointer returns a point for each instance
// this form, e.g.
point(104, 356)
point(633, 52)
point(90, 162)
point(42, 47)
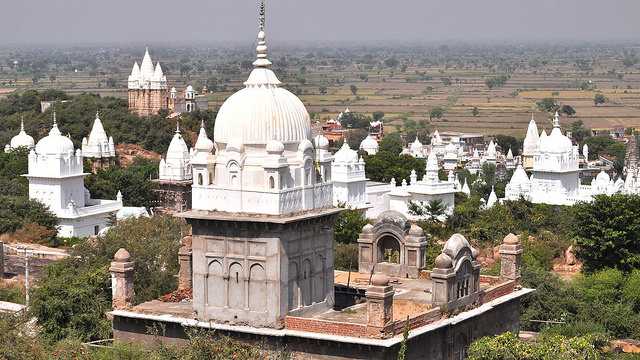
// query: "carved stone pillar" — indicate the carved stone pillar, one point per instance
point(185, 260)
point(121, 280)
point(510, 258)
point(379, 304)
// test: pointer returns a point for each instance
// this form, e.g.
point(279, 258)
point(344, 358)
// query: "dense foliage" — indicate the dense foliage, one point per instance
point(508, 346)
point(388, 164)
point(18, 211)
point(607, 232)
point(76, 116)
point(13, 165)
point(71, 298)
point(18, 343)
point(132, 181)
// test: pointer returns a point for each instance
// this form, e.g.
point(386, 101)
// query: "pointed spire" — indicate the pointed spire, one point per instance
point(556, 120)
point(178, 127)
point(22, 123)
point(261, 48)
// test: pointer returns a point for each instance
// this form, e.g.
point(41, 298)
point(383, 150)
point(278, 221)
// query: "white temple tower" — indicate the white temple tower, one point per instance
point(262, 215)
point(98, 146)
point(56, 179)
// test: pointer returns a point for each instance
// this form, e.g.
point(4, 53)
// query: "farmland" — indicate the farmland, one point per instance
point(404, 82)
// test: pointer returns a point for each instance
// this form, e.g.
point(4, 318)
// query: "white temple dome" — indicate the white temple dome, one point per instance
point(556, 142)
point(603, 178)
point(369, 143)
point(203, 143)
point(257, 114)
point(346, 154)
point(54, 143)
point(177, 148)
point(22, 139)
point(262, 111)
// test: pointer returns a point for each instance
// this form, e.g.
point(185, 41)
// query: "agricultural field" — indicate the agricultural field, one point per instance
point(486, 89)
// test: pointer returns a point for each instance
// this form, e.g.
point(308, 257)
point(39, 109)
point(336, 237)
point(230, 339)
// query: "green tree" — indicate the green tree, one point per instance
point(475, 111)
point(16, 212)
point(436, 113)
point(377, 115)
point(349, 226)
point(507, 142)
point(432, 211)
point(132, 181)
point(72, 296)
point(607, 231)
point(548, 104)
point(568, 110)
point(578, 131)
point(354, 90)
point(391, 143)
point(599, 99)
point(605, 145)
point(508, 346)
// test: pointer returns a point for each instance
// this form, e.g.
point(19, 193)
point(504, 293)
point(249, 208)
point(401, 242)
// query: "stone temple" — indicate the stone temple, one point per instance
point(260, 259)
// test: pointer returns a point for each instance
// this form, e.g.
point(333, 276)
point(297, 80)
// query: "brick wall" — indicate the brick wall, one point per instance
point(497, 291)
point(325, 327)
point(417, 321)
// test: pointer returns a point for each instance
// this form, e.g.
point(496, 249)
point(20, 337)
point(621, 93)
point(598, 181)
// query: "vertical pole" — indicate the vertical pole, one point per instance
point(26, 276)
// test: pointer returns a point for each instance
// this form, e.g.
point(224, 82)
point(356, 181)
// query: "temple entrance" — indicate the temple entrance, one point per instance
point(389, 250)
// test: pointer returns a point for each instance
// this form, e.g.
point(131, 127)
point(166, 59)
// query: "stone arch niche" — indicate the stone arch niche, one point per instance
point(235, 281)
point(392, 246)
point(257, 288)
point(456, 276)
point(215, 285)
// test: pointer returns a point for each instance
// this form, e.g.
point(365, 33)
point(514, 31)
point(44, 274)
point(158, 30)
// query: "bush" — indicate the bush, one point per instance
point(21, 212)
point(606, 232)
point(71, 298)
point(346, 257)
point(349, 226)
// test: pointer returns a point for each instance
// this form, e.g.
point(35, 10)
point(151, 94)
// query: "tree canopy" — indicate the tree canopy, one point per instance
point(607, 232)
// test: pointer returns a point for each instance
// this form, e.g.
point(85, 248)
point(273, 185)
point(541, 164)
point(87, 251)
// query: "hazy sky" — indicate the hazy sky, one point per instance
point(147, 21)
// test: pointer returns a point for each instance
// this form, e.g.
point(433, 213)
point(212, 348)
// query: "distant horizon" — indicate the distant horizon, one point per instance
point(120, 22)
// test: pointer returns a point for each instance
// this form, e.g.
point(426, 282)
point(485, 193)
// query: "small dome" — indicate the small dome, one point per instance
point(556, 142)
point(275, 147)
point(22, 139)
point(416, 230)
point(203, 144)
point(603, 178)
point(54, 143)
point(346, 155)
point(122, 255)
point(416, 146)
point(443, 261)
point(380, 280)
point(321, 142)
point(519, 177)
point(367, 229)
point(177, 148)
point(189, 88)
point(511, 239)
point(369, 143)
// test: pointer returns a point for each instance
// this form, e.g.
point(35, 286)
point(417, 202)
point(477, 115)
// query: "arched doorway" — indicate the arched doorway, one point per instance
point(389, 249)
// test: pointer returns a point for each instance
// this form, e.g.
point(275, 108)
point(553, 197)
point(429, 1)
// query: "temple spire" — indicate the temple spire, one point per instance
point(261, 48)
point(178, 127)
point(556, 120)
point(22, 123)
